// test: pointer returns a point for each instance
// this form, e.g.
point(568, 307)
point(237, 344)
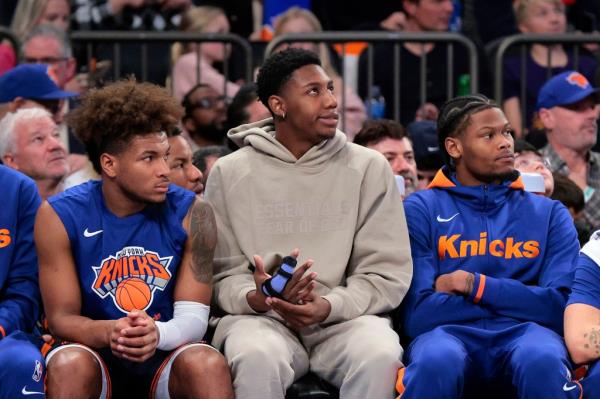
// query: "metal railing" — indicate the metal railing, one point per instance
point(90, 39)
point(524, 42)
point(397, 39)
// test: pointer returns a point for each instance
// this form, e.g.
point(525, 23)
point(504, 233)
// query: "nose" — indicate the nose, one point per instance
point(330, 100)
point(194, 174)
point(449, 6)
point(163, 169)
point(55, 143)
point(400, 165)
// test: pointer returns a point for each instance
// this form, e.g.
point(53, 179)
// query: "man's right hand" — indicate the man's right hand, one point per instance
point(134, 337)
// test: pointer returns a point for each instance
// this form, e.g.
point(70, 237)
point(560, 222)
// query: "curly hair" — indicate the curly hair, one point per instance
point(278, 69)
point(110, 117)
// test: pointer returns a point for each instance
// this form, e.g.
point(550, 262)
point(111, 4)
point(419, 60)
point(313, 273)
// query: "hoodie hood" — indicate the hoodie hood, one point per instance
point(261, 136)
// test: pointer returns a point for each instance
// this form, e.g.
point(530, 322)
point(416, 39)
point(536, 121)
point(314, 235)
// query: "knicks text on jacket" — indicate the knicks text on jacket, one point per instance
point(455, 247)
point(5, 238)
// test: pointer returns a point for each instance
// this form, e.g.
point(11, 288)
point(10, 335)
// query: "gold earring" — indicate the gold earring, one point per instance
point(283, 115)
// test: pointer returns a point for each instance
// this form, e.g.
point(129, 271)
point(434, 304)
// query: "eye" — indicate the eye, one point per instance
point(37, 139)
point(178, 165)
point(409, 157)
point(313, 91)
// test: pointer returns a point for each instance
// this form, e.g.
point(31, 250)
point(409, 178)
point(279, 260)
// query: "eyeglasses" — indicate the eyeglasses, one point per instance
point(211, 102)
point(45, 60)
point(522, 162)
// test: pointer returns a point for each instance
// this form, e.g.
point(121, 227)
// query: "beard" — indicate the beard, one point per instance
point(497, 177)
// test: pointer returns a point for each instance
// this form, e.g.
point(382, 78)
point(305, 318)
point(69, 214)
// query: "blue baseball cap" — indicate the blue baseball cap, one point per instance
point(31, 81)
point(563, 89)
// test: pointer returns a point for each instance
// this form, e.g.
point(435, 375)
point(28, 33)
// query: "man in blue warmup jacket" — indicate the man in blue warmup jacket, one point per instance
point(492, 269)
point(582, 317)
point(21, 364)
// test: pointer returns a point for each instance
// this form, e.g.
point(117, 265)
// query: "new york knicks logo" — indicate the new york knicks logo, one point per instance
point(578, 79)
point(131, 277)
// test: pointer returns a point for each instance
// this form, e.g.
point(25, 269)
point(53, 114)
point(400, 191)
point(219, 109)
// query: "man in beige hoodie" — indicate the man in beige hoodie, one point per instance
point(297, 183)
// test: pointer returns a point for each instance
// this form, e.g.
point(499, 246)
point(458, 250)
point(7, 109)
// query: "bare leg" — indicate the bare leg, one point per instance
point(73, 373)
point(200, 372)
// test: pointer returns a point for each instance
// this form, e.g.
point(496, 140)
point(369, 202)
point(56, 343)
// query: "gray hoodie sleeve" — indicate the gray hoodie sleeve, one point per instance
point(232, 279)
point(379, 271)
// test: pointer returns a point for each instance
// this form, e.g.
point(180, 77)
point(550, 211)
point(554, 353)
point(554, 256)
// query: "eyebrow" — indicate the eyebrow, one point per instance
point(494, 127)
point(319, 83)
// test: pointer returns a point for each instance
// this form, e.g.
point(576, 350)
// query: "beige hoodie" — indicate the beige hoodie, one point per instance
point(338, 204)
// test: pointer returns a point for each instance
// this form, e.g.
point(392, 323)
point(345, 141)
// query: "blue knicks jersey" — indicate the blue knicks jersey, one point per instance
point(124, 263)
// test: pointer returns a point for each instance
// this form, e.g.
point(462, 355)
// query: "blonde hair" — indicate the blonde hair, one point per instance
point(322, 52)
point(195, 19)
point(27, 14)
point(521, 7)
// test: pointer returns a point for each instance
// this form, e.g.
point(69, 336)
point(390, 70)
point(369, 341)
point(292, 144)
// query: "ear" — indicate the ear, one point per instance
point(9, 160)
point(109, 164)
point(547, 118)
point(453, 147)
point(523, 28)
point(409, 7)
point(277, 106)
point(71, 68)
point(15, 104)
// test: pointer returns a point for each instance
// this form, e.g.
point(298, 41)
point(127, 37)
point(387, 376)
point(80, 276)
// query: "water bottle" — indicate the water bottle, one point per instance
point(376, 105)
point(464, 85)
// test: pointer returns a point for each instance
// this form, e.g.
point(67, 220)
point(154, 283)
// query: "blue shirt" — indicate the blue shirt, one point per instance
point(19, 292)
point(124, 263)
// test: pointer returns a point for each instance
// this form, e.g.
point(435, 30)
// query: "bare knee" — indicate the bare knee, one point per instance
point(73, 373)
point(204, 368)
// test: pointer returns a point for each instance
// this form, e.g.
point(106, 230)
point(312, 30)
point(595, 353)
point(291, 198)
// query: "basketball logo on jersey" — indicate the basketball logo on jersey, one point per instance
point(4, 238)
point(131, 277)
point(37, 371)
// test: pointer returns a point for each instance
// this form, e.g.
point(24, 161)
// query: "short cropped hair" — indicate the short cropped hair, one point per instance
point(53, 32)
point(455, 116)
point(567, 192)
point(199, 157)
point(374, 131)
point(278, 69)
point(8, 126)
point(110, 117)
point(236, 112)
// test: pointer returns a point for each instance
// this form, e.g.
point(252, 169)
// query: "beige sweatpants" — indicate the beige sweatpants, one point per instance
point(361, 357)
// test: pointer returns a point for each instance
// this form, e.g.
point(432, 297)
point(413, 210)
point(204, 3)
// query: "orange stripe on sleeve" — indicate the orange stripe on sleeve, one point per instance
point(399, 384)
point(480, 289)
point(2, 331)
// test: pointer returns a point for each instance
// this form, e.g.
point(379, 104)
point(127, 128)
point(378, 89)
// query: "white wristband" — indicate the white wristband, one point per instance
point(188, 324)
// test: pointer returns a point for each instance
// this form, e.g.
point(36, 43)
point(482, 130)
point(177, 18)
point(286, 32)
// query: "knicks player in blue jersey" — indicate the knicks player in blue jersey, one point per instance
point(21, 364)
point(126, 262)
point(493, 266)
point(582, 317)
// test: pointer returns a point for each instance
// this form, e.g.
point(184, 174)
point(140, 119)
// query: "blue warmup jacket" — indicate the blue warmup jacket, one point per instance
point(19, 292)
point(521, 247)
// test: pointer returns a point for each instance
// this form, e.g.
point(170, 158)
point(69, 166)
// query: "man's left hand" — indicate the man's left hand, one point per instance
point(299, 316)
point(458, 282)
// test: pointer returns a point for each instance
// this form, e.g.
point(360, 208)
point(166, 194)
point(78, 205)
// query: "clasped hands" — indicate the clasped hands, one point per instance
point(299, 306)
point(134, 337)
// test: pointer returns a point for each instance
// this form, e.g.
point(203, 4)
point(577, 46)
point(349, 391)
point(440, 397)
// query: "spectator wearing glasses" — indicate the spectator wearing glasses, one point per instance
point(205, 116)
point(529, 160)
point(29, 14)
point(46, 44)
point(567, 109)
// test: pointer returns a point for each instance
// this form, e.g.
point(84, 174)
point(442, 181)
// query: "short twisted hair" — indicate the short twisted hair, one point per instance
point(455, 116)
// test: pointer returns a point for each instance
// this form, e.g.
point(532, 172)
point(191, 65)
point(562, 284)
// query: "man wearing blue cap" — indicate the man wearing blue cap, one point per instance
point(31, 85)
point(567, 108)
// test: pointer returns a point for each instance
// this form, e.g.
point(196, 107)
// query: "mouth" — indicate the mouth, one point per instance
point(162, 188)
point(198, 188)
point(507, 157)
point(330, 119)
